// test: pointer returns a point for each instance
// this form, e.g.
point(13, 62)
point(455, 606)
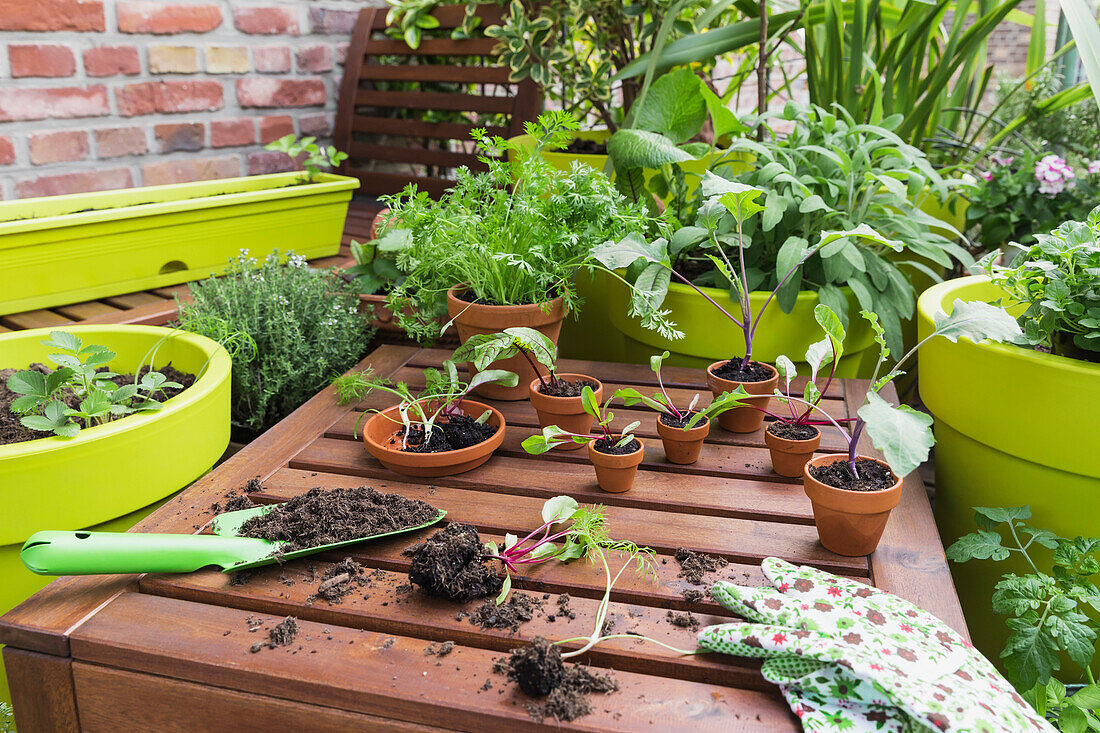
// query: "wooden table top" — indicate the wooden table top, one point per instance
point(164, 651)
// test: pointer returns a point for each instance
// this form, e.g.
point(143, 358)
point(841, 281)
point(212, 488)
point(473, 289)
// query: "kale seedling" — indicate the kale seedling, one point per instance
point(552, 435)
point(484, 349)
point(663, 403)
point(316, 156)
point(81, 374)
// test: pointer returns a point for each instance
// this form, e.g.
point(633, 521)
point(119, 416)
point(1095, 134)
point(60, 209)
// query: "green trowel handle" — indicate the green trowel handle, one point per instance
point(92, 553)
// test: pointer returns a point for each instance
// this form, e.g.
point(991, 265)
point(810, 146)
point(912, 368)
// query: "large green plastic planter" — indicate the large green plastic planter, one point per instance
point(1014, 426)
point(109, 476)
point(67, 249)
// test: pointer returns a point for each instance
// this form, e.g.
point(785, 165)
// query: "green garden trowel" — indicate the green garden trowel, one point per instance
point(94, 553)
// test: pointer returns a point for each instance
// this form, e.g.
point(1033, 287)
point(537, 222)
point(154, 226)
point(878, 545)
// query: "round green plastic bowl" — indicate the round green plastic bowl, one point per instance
point(115, 470)
point(1014, 427)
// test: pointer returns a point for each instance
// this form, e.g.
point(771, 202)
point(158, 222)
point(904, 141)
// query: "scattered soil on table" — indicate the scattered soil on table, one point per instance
point(518, 609)
point(694, 565)
point(693, 596)
point(873, 476)
point(281, 634)
point(322, 517)
point(234, 501)
point(731, 370)
point(439, 649)
point(684, 620)
point(586, 147)
point(566, 388)
point(340, 580)
point(563, 606)
point(674, 422)
point(12, 431)
point(459, 431)
point(450, 565)
point(539, 671)
point(603, 445)
point(790, 431)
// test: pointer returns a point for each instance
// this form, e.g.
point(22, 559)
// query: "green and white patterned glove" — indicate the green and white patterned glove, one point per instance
point(849, 657)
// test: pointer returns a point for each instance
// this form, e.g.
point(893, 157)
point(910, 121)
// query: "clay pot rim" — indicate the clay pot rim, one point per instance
point(723, 382)
point(844, 500)
point(608, 459)
point(461, 308)
point(459, 456)
point(768, 433)
point(533, 388)
point(689, 434)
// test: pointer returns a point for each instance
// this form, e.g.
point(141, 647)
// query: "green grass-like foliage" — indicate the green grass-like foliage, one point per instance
point(516, 234)
point(289, 329)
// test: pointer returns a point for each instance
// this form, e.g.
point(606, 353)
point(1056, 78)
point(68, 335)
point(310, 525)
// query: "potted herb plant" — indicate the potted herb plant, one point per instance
point(555, 397)
point(502, 247)
point(615, 456)
point(66, 249)
point(437, 432)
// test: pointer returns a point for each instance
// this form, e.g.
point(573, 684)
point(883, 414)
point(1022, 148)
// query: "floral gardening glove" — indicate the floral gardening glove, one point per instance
point(848, 657)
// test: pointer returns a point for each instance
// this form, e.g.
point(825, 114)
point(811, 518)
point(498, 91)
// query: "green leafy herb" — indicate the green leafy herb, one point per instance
point(315, 158)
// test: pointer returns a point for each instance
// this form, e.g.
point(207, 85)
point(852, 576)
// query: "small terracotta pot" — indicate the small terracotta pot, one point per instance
point(377, 222)
point(383, 442)
point(742, 419)
point(683, 446)
point(615, 473)
point(789, 457)
point(474, 318)
point(565, 412)
point(849, 523)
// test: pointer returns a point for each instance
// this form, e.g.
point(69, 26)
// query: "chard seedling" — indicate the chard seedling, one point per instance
point(441, 397)
point(663, 403)
point(553, 436)
point(481, 350)
point(81, 375)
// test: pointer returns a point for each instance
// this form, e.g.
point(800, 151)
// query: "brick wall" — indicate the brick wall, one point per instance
point(101, 94)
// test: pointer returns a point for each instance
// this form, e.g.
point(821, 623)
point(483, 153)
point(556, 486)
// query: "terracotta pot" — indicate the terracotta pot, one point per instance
point(848, 522)
point(742, 419)
point(615, 473)
point(377, 221)
point(383, 442)
point(474, 318)
point(683, 446)
point(375, 308)
point(565, 412)
point(789, 457)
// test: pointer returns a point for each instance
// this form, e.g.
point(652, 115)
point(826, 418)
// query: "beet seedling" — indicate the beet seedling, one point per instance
point(553, 436)
point(663, 403)
point(481, 350)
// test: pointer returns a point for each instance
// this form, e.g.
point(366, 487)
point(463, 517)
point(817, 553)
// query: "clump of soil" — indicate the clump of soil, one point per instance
point(234, 501)
point(694, 565)
point(692, 596)
point(679, 422)
point(450, 565)
point(586, 147)
point(563, 606)
point(340, 580)
point(539, 671)
point(873, 476)
point(603, 445)
point(566, 388)
point(456, 433)
point(439, 649)
point(281, 634)
point(518, 609)
point(733, 371)
point(790, 431)
point(537, 668)
point(322, 517)
point(684, 620)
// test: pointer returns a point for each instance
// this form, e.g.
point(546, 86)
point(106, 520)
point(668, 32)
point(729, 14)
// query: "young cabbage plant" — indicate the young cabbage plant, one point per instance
point(481, 350)
point(723, 199)
point(553, 436)
point(664, 404)
point(441, 397)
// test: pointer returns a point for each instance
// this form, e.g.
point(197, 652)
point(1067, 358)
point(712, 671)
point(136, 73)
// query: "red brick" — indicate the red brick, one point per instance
point(180, 136)
point(169, 96)
point(52, 15)
point(314, 58)
point(275, 127)
point(136, 99)
point(260, 92)
point(267, 21)
point(7, 150)
point(227, 133)
point(327, 20)
point(271, 59)
point(111, 60)
point(183, 171)
point(150, 16)
point(58, 147)
point(315, 125)
point(341, 53)
point(41, 60)
point(268, 161)
point(66, 183)
point(117, 141)
point(38, 104)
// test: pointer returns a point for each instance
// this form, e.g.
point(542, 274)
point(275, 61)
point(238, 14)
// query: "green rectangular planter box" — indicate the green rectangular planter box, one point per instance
point(67, 249)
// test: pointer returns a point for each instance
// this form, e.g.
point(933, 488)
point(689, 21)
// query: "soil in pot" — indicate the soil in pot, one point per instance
point(873, 476)
point(733, 371)
point(455, 433)
point(603, 445)
point(322, 517)
point(790, 431)
point(585, 147)
point(539, 671)
point(449, 564)
point(12, 431)
point(566, 387)
point(678, 422)
point(467, 296)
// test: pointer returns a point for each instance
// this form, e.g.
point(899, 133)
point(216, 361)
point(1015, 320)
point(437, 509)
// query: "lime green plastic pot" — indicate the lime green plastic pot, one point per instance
point(68, 249)
point(109, 476)
point(1014, 426)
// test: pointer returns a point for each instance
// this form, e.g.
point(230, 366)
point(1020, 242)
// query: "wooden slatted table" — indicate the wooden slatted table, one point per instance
point(161, 652)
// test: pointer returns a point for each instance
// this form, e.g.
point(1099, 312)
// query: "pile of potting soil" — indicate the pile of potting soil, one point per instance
point(539, 671)
point(449, 564)
point(322, 517)
point(456, 433)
